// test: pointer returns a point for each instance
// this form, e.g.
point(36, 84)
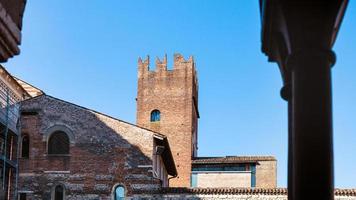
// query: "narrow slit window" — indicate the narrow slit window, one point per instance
point(25, 148)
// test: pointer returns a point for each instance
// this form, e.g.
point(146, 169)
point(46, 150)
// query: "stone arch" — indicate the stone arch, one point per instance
point(59, 127)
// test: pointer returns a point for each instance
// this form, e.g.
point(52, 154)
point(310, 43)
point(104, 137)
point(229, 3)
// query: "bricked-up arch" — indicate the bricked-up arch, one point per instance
point(58, 143)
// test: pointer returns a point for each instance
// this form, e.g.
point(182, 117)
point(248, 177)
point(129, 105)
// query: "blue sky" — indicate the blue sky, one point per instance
point(86, 52)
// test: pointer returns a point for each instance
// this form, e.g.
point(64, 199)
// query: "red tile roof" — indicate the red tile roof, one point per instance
point(235, 191)
point(232, 159)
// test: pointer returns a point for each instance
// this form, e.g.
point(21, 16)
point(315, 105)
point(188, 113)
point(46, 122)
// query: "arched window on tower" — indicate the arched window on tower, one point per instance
point(155, 116)
point(58, 143)
point(119, 193)
point(25, 147)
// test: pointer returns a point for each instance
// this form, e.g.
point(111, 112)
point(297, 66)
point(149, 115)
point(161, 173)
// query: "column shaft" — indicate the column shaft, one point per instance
point(290, 152)
point(311, 142)
point(286, 95)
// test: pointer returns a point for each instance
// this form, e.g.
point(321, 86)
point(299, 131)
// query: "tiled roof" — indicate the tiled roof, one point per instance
point(235, 191)
point(30, 89)
point(345, 192)
point(12, 83)
point(267, 191)
point(232, 159)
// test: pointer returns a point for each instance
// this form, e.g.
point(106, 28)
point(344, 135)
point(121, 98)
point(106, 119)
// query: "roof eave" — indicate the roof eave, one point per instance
point(167, 155)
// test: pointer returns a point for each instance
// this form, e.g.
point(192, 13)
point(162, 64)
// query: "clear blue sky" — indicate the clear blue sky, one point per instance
point(86, 52)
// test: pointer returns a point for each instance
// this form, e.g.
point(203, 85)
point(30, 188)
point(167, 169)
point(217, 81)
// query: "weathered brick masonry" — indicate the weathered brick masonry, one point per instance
point(175, 94)
point(103, 152)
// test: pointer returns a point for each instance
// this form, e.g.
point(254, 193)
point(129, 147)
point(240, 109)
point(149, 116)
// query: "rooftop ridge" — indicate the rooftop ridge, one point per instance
point(245, 156)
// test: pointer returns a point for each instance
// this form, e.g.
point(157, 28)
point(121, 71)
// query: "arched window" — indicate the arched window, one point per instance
point(119, 193)
point(25, 148)
point(58, 192)
point(155, 116)
point(58, 143)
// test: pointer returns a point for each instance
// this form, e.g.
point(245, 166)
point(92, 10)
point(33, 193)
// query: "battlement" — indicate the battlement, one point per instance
point(179, 63)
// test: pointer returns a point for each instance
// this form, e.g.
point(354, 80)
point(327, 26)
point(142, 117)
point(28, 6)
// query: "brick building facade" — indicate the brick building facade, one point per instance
point(71, 152)
point(78, 153)
point(11, 14)
point(11, 94)
point(172, 94)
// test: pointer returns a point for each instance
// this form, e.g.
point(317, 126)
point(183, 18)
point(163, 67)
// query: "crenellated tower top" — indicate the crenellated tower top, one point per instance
point(179, 63)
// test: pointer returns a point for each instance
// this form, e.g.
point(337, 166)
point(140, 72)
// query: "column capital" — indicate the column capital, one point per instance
point(291, 25)
point(305, 54)
point(286, 92)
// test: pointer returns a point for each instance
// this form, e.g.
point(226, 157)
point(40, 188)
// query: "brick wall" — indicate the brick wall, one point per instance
point(103, 152)
point(172, 92)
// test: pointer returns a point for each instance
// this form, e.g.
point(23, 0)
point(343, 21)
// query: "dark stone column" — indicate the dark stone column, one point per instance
point(311, 121)
point(299, 35)
point(286, 94)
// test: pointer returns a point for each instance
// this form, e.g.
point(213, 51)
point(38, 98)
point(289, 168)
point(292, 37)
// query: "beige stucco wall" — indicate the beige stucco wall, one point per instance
point(222, 179)
point(266, 174)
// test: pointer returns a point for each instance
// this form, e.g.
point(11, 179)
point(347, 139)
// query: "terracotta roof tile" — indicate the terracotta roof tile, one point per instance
point(235, 191)
point(232, 159)
point(30, 89)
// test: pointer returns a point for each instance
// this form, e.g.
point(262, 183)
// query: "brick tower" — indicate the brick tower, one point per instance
point(167, 102)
